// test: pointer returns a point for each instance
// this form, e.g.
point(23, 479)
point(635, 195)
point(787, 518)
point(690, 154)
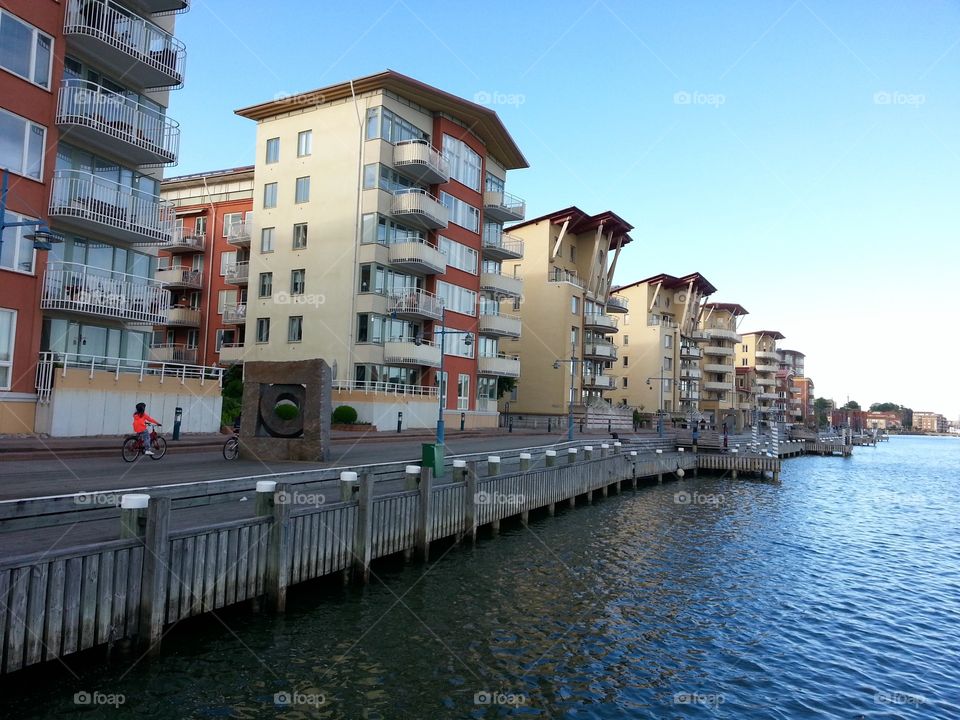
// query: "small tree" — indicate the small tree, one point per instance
point(344, 415)
point(505, 385)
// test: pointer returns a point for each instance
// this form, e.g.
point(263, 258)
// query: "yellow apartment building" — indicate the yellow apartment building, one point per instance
point(758, 350)
point(718, 396)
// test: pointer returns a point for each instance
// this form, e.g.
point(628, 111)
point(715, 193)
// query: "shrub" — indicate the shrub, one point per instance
point(286, 410)
point(229, 411)
point(344, 415)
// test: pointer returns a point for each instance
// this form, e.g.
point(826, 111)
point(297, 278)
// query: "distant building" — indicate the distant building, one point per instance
point(718, 399)
point(856, 420)
point(883, 420)
point(929, 422)
point(758, 350)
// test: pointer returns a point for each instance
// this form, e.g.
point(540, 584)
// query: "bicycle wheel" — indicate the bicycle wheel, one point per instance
point(231, 449)
point(131, 448)
point(159, 448)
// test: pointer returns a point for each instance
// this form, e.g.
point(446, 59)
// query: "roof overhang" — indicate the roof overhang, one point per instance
point(581, 222)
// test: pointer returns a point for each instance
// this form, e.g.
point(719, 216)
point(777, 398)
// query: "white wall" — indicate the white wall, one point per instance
point(383, 414)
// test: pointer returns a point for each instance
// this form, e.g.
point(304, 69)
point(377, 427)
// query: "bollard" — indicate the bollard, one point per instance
point(411, 477)
point(571, 455)
point(609, 428)
point(550, 458)
point(399, 421)
point(493, 465)
point(616, 447)
point(459, 470)
point(177, 419)
point(264, 502)
point(549, 425)
point(680, 450)
point(588, 452)
point(659, 451)
point(604, 449)
point(524, 462)
point(510, 425)
point(133, 515)
point(349, 486)
point(463, 420)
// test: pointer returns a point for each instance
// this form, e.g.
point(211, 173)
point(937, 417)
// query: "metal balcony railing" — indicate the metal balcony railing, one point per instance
point(73, 287)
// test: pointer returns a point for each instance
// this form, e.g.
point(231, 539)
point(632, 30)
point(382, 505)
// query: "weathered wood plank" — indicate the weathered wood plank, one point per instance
point(105, 596)
point(71, 605)
point(88, 601)
point(53, 631)
point(17, 612)
point(36, 611)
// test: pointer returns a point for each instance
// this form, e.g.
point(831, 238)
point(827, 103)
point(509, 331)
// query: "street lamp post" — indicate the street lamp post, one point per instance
point(42, 237)
point(573, 364)
point(441, 429)
point(660, 403)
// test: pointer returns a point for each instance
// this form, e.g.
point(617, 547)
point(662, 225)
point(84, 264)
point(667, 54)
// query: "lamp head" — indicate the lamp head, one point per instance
point(556, 364)
point(43, 238)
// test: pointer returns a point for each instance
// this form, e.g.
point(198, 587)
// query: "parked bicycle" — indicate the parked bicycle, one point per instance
point(231, 448)
point(133, 445)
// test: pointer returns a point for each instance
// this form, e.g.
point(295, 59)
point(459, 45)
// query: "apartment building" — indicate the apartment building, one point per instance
point(718, 395)
point(568, 311)
point(883, 420)
point(791, 368)
point(377, 244)
point(758, 350)
point(659, 356)
point(85, 135)
point(804, 394)
point(930, 422)
point(746, 401)
point(205, 267)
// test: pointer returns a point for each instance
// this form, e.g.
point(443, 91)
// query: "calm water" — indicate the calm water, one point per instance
point(833, 595)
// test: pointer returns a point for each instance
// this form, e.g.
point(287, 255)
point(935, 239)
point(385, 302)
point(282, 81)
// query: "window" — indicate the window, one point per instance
point(441, 381)
point(494, 184)
point(266, 239)
point(573, 253)
point(302, 193)
point(668, 363)
point(462, 213)
point(459, 256)
point(230, 219)
point(626, 361)
point(463, 392)
point(295, 328)
point(200, 226)
point(465, 164)
point(8, 325)
point(273, 150)
point(225, 299)
point(226, 260)
point(625, 384)
point(24, 50)
point(378, 229)
point(455, 342)
point(626, 340)
point(16, 252)
point(380, 176)
point(270, 195)
point(21, 145)
point(668, 341)
point(265, 286)
point(225, 337)
point(575, 305)
point(299, 236)
point(298, 280)
point(385, 124)
point(304, 143)
point(263, 330)
point(457, 299)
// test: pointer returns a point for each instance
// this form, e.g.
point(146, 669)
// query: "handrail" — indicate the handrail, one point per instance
point(386, 387)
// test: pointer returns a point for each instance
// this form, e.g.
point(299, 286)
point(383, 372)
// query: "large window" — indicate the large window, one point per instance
point(16, 252)
point(263, 330)
point(463, 392)
point(457, 299)
point(265, 286)
point(298, 281)
point(378, 279)
point(295, 328)
point(266, 239)
point(227, 259)
point(299, 236)
point(24, 50)
point(459, 255)
point(270, 195)
point(21, 145)
point(378, 229)
point(494, 184)
point(455, 342)
point(273, 151)
point(8, 325)
point(387, 125)
point(380, 176)
point(462, 213)
point(302, 194)
point(465, 164)
point(229, 220)
point(304, 143)
point(225, 299)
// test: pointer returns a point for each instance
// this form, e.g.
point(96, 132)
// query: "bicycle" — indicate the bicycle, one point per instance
point(133, 445)
point(231, 448)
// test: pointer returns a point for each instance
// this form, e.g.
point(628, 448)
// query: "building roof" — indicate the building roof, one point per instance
point(582, 222)
point(792, 352)
point(744, 370)
point(482, 121)
point(732, 308)
point(775, 334)
point(703, 286)
point(242, 170)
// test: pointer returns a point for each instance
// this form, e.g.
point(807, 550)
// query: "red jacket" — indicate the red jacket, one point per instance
point(140, 422)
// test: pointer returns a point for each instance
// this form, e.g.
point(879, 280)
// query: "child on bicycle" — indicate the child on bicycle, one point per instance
point(140, 420)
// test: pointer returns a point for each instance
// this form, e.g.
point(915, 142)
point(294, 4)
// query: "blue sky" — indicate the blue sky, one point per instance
point(803, 155)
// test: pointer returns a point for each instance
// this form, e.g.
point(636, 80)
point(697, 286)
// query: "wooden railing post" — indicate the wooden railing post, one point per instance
point(571, 455)
point(470, 502)
point(525, 461)
point(278, 568)
point(133, 515)
point(425, 515)
point(550, 458)
point(153, 585)
point(363, 540)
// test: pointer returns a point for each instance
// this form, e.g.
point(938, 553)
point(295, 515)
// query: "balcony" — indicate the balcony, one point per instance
point(420, 209)
point(162, 7)
point(718, 351)
point(689, 351)
point(184, 241)
point(693, 373)
point(183, 317)
point(231, 353)
point(419, 257)
point(592, 381)
point(766, 381)
point(124, 44)
point(171, 353)
point(690, 395)
point(697, 335)
point(617, 304)
point(90, 204)
point(722, 334)
point(237, 273)
point(419, 160)
point(500, 284)
point(600, 351)
point(76, 288)
point(498, 324)
point(407, 352)
point(235, 314)
point(717, 386)
point(238, 234)
point(180, 278)
point(559, 275)
point(600, 322)
point(718, 368)
point(502, 366)
point(116, 125)
point(502, 246)
point(768, 355)
point(767, 368)
point(501, 207)
point(745, 406)
point(768, 396)
point(413, 304)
